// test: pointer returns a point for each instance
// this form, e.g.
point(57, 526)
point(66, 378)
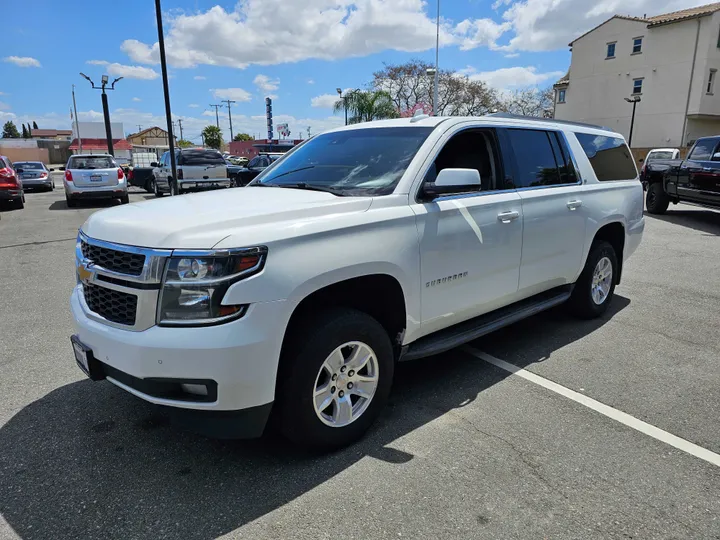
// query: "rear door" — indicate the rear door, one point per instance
point(699, 175)
point(202, 164)
point(93, 171)
point(552, 205)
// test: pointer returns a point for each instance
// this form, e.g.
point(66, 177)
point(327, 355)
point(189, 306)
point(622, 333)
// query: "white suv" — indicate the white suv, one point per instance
point(364, 246)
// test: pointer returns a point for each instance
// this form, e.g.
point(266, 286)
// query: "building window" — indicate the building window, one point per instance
point(718, 43)
point(610, 50)
point(637, 86)
point(711, 82)
point(637, 45)
point(561, 96)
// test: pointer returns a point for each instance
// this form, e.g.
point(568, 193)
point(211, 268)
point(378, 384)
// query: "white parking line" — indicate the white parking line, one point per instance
point(619, 416)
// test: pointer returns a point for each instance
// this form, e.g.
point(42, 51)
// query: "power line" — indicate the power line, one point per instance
point(217, 118)
point(229, 102)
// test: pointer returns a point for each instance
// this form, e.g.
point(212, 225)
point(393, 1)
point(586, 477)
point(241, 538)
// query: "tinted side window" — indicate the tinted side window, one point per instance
point(568, 174)
point(703, 150)
point(469, 150)
point(534, 158)
point(610, 157)
point(253, 162)
point(201, 157)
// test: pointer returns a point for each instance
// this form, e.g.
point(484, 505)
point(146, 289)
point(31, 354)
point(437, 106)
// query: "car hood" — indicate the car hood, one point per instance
point(202, 220)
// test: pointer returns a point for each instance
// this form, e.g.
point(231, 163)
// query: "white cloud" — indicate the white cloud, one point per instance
point(3, 94)
point(266, 84)
point(4, 106)
point(324, 101)
point(23, 61)
point(515, 77)
point(193, 105)
point(136, 99)
point(208, 113)
point(324, 29)
point(238, 94)
point(512, 55)
point(199, 78)
point(480, 33)
point(310, 81)
point(128, 72)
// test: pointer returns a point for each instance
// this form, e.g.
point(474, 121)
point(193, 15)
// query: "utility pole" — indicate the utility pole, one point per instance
point(77, 126)
point(139, 128)
point(229, 102)
point(166, 89)
point(217, 118)
point(180, 126)
point(437, 58)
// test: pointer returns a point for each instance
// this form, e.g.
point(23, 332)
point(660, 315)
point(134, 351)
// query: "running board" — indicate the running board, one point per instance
point(461, 333)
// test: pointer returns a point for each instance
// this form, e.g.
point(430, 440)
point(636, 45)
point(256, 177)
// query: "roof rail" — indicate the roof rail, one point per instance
point(538, 119)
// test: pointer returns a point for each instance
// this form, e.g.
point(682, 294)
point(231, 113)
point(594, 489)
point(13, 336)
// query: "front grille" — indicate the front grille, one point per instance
point(113, 260)
point(115, 306)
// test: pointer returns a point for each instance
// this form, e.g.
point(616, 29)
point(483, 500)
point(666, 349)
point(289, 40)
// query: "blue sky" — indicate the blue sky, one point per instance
point(297, 50)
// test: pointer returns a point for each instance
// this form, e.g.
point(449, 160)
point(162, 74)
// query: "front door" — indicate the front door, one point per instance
point(699, 175)
point(470, 243)
point(553, 211)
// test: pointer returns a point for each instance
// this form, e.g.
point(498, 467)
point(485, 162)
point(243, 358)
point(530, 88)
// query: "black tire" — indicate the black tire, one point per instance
point(656, 201)
point(581, 301)
point(157, 191)
point(304, 353)
point(150, 185)
point(70, 202)
point(174, 191)
point(125, 199)
point(19, 203)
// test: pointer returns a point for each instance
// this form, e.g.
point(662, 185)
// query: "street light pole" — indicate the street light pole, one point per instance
point(106, 109)
point(77, 124)
point(344, 99)
point(634, 100)
point(166, 89)
point(437, 59)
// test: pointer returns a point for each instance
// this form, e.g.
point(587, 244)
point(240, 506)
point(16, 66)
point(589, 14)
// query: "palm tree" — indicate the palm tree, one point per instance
point(365, 106)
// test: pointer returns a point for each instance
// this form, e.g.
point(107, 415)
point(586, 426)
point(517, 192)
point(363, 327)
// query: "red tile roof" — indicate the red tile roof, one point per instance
point(100, 144)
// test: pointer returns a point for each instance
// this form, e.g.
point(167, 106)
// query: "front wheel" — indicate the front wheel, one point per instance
point(335, 379)
point(595, 287)
point(657, 201)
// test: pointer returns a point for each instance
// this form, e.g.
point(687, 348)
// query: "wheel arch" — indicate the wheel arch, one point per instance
point(612, 232)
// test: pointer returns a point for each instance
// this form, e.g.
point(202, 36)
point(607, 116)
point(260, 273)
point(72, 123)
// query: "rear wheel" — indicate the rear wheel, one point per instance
point(70, 202)
point(595, 287)
point(174, 188)
point(157, 192)
point(125, 199)
point(335, 379)
point(19, 203)
point(657, 201)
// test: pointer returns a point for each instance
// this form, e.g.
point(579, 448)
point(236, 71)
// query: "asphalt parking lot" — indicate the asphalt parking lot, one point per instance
point(466, 449)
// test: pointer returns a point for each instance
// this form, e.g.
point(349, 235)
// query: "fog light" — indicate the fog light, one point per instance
point(196, 389)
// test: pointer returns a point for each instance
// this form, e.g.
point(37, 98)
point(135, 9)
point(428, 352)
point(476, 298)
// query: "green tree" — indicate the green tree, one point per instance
point(25, 132)
point(213, 137)
point(242, 137)
point(35, 125)
point(10, 131)
point(364, 106)
point(184, 143)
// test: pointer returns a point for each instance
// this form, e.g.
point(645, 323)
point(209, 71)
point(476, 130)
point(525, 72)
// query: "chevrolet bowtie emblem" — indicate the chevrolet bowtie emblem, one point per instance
point(84, 274)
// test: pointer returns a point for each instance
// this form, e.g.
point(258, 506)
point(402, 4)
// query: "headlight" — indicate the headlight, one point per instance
point(195, 284)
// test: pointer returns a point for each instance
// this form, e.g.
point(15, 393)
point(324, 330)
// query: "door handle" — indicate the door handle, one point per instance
point(507, 217)
point(574, 205)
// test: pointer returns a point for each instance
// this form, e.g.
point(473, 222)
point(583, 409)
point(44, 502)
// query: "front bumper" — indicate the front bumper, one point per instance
point(95, 192)
point(240, 358)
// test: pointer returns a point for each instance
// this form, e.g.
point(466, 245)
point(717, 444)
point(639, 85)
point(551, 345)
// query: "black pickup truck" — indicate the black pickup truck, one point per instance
point(695, 179)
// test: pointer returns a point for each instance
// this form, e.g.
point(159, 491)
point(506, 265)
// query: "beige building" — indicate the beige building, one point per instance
point(153, 136)
point(670, 62)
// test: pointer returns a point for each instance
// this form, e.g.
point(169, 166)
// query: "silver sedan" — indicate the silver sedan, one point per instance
point(34, 175)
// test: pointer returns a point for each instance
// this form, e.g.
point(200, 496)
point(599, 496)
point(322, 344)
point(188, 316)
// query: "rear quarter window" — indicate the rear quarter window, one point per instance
point(610, 157)
point(201, 157)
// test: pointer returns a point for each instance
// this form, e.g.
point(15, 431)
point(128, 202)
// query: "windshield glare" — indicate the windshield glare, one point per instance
point(356, 162)
point(660, 155)
point(29, 165)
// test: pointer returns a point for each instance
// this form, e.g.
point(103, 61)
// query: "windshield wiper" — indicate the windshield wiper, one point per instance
point(314, 187)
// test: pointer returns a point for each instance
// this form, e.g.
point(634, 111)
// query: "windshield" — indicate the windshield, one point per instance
point(357, 162)
point(201, 157)
point(91, 162)
point(659, 155)
point(29, 165)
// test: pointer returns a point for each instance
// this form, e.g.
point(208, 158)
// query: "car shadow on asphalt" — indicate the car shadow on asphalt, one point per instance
point(705, 221)
point(99, 203)
point(91, 461)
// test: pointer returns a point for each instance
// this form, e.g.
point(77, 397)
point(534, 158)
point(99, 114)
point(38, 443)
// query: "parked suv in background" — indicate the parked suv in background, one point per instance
point(197, 169)
point(367, 245)
point(244, 175)
point(11, 186)
point(94, 176)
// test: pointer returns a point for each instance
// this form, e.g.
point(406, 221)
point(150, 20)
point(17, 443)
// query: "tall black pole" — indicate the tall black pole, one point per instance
point(163, 65)
point(345, 107)
point(632, 123)
point(106, 115)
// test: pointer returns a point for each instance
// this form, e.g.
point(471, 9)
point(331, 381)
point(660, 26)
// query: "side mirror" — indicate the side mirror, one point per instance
point(716, 156)
point(19, 170)
point(51, 170)
point(640, 160)
point(154, 164)
point(453, 181)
